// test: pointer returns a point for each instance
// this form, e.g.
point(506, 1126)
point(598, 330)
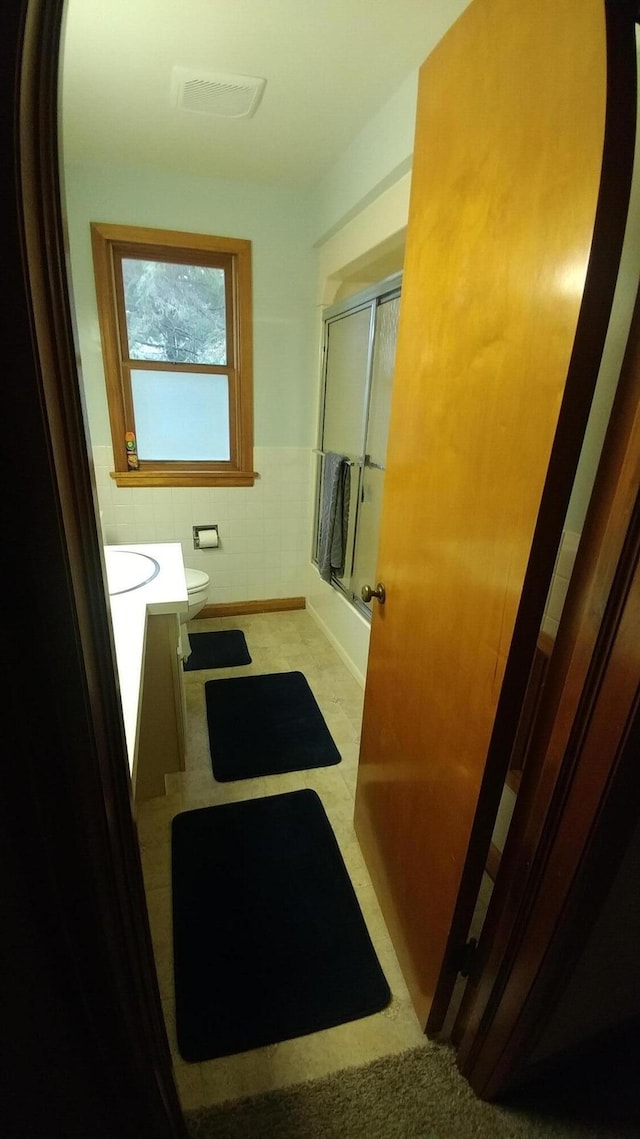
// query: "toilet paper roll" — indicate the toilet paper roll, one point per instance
point(208, 539)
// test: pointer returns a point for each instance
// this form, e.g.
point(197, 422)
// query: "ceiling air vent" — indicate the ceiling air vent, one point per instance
point(229, 96)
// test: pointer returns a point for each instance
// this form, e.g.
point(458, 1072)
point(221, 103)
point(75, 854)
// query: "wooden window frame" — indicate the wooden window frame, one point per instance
point(110, 243)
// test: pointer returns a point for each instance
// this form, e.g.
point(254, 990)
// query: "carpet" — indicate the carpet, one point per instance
point(265, 725)
point(416, 1094)
point(269, 939)
point(225, 648)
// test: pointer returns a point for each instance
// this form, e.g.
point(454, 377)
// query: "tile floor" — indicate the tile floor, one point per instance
point(277, 642)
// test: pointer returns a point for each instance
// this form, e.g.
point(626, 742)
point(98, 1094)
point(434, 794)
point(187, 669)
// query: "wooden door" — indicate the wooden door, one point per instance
point(524, 143)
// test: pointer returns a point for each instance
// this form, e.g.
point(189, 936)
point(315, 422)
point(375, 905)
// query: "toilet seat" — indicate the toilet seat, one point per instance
point(196, 580)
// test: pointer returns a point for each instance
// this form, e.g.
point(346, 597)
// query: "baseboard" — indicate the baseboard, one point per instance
point(238, 608)
point(353, 669)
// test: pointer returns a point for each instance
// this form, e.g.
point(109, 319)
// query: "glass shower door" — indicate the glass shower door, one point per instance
point(348, 349)
point(375, 451)
point(360, 339)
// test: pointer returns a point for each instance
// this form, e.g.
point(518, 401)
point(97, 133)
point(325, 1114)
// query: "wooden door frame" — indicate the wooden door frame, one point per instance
point(577, 806)
point(82, 1012)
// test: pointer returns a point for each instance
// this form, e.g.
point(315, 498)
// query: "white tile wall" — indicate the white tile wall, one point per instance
point(560, 582)
point(265, 530)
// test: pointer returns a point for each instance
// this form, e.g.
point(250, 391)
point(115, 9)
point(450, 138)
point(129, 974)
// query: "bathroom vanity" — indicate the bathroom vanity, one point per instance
point(147, 594)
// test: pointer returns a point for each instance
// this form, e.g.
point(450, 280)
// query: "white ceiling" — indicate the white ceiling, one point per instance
point(329, 65)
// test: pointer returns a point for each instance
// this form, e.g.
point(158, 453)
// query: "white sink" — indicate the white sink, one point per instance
point(128, 569)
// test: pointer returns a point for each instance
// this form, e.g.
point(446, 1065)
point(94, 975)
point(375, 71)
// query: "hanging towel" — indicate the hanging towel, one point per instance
point(334, 515)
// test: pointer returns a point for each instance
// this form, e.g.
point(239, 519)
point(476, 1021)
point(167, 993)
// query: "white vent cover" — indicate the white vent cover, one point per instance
point(229, 96)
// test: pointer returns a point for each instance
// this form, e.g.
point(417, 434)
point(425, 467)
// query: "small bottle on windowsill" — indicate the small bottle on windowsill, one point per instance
point(132, 453)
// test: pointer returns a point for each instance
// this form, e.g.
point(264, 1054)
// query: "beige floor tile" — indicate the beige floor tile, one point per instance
point(169, 1012)
point(195, 781)
point(190, 1084)
point(198, 757)
point(153, 819)
point(173, 783)
point(342, 730)
point(349, 753)
point(281, 784)
point(156, 866)
point(159, 910)
point(305, 1058)
point(232, 1077)
point(163, 953)
point(355, 864)
point(352, 709)
point(276, 642)
point(219, 793)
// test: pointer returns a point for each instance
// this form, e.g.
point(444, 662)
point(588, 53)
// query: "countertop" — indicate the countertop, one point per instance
point(165, 593)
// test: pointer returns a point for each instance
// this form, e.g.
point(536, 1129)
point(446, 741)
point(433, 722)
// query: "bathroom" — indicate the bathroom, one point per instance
point(72, 874)
point(310, 248)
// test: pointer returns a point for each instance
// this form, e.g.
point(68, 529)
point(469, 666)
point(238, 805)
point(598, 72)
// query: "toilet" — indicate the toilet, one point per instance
point(197, 589)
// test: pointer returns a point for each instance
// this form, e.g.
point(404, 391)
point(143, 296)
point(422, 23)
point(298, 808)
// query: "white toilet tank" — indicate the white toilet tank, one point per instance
point(198, 591)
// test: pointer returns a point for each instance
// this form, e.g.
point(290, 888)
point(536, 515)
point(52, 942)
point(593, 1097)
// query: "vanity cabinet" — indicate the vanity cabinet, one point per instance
point(145, 620)
point(161, 741)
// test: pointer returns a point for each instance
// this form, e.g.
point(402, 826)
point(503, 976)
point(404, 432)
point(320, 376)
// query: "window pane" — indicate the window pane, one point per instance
point(175, 313)
point(181, 415)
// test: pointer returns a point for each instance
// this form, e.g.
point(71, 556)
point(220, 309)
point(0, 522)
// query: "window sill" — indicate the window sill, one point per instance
point(183, 478)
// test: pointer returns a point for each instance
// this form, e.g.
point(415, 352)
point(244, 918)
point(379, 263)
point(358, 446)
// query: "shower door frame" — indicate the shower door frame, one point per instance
point(388, 289)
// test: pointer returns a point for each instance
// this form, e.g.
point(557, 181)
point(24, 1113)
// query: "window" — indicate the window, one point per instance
point(175, 323)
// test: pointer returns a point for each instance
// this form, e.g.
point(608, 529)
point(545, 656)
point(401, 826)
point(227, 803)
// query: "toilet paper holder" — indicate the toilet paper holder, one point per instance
point(206, 537)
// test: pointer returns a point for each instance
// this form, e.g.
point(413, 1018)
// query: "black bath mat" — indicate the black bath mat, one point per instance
point(265, 725)
point(223, 649)
point(269, 939)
